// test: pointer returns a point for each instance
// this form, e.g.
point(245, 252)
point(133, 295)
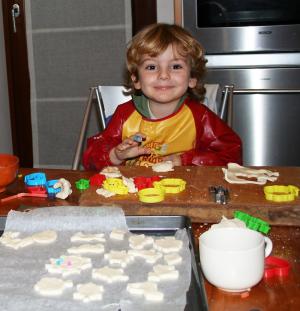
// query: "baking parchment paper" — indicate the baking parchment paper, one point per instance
point(21, 269)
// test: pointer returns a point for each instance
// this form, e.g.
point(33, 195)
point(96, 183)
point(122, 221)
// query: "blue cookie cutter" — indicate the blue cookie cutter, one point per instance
point(35, 179)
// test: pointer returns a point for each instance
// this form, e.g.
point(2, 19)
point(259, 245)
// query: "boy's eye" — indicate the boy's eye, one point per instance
point(177, 66)
point(150, 67)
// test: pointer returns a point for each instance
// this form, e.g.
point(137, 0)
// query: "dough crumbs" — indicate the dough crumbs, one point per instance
point(139, 241)
point(88, 292)
point(161, 167)
point(45, 237)
point(148, 289)
point(173, 259)
point(168, 245)
point(117, 234)
point(150, 255)
point(110, 275)
point(111, 172)
point(82, 237)
point(87, 249)
point(163, 273)
point(68, 265)
point(121, 258)
point(52, 286)
point(105, 193)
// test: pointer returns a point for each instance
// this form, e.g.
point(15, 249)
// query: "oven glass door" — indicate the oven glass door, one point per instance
point(232, 13)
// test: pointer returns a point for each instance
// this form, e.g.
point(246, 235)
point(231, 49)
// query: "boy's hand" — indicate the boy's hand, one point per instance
point(129, 148)
point(175, 158)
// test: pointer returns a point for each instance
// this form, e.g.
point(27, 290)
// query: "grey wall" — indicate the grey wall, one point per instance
point(72, 45)
point(5, 129)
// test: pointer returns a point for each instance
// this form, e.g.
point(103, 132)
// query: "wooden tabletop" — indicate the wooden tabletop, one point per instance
point(277, 293)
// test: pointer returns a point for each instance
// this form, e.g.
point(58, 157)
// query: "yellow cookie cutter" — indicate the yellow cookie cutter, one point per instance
point(151, 195)
point(115, 185)
point(171, 185)
point(279, 193)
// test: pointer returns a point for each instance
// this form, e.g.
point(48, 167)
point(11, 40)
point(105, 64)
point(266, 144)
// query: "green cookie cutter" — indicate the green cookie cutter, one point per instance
point(253, 222)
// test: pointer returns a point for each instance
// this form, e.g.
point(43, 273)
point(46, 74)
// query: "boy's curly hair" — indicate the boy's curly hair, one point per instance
point(153, 40)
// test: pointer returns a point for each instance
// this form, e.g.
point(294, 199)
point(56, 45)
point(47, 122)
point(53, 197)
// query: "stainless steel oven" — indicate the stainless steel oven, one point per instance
point(242, 26)
point(255, 44)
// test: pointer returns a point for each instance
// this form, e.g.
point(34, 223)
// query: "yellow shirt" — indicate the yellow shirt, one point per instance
point(171, 135)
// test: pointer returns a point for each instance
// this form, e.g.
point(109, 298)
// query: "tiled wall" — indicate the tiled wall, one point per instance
point(72, 45)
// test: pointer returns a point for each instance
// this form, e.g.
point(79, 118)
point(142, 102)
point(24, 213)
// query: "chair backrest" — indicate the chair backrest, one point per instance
point(110, 97)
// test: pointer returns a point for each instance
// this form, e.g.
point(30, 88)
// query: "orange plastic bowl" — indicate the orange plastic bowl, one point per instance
point(9, 165)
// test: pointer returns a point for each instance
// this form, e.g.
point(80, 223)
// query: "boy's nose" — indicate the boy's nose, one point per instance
point(164, 74)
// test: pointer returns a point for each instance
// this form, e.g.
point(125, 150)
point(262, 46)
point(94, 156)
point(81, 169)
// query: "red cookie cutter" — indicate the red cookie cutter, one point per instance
point(97, 180)
point(275, 266)
point(142, 182)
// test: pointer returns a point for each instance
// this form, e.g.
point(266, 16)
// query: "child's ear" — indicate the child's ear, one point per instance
point(192, 83)
point(136, 83)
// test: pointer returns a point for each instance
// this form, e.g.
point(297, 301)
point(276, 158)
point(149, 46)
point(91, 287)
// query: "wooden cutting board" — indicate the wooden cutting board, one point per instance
point(196, 201)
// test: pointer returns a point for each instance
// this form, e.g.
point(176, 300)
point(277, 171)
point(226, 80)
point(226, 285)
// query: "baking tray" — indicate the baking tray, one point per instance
point(164, 226)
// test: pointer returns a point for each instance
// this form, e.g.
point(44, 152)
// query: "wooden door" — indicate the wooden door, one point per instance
point(18, 81)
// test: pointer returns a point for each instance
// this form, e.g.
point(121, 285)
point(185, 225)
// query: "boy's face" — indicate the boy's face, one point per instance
point(164, 79)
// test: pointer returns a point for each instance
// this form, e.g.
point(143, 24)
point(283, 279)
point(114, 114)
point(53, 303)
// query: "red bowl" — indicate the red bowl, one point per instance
point(9, 165)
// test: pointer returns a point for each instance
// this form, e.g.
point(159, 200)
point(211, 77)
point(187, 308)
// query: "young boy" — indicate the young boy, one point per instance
point(165, 119)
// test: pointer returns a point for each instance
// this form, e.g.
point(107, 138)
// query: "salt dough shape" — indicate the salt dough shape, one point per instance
point(121, 258)
point(110, 275)
point(163, 273)
point(111, 172)
point(129, 183)
point(117, 234)
point(173, 259)
point(168, 245)
point(229, 223)
point(148, 289)
point(105, 193)
point(86, 237)
point(88, 292)
point(139, 241)
point(68, 265)
point(65, 186)
point(165, 166)
point(234, 171)
point(44, 237)
point(150, 255)
point(87, 249)
point(9, 235)
point(16, 243)
point(52, 286)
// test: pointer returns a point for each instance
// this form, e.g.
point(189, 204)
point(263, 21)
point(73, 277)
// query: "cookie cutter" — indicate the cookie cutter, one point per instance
point(50, 189)
point(151, 195)
point(115, 185)
point(171, 185)
point(275, 266)
point(253, 222)
point(142, 182)
point(35, 179)
point(97, 180)
point(82, 184)
point(280, 193)
point(220, 194)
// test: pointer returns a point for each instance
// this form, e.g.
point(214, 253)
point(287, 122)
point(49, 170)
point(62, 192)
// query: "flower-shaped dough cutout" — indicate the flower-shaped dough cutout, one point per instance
point(88, 237)
point(163, 273)
point(68, 265)
point(148, 289)
point(117, 234)
point(87, 249)
point(173, 259)
point(139, 241)
point(52, 286)
point(150, 255)
point(44, 237)
point(168, 245)
point(88, 292)
point(121, 258)
point(109, 275)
